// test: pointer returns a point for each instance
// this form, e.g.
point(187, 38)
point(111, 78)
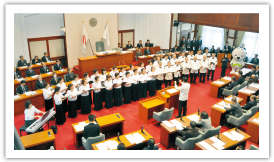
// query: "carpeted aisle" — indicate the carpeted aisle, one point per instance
point(198, 98)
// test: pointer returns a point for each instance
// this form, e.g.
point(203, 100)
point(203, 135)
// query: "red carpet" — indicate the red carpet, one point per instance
point(198, 98)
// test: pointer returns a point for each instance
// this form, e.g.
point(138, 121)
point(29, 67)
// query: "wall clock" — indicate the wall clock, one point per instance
point(93, 22)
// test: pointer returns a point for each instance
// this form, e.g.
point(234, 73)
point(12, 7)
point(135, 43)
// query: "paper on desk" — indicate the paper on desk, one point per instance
point(19, 80)
point(62, 70)
point(219, 82)
point(230, 98)
point(38, 63)
point(237, 135)
point(130, 138)
point(226, 78)
point(219, 106)
point(16, 97)
point(228, 135)
point(194, 117)
point(168, 124)
point(218, 146)
point(172, 90)
point(79, 127)
point(217, 141)
point(138, 138)
point(102, 146)
point(254, 85)
point(111, 144)
point(177, 124)
point(28, 93)
point(49, 73)
point(206, 145)
point(34, 76)
point(224, 104)
point(23, 67)
point(256, 120)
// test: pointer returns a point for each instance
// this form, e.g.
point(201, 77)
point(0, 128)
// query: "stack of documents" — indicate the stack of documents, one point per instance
point(194, 117)
point(28, 93)
point(62, 70)
point(244, 90)
point(142, 56)
point(102, 146)
point(38, 63)
point(135, 138)
point(132, 49)
point(125, 51)
point(206, 145)
point(80, 126)
point(16, 97)
point(217, 143)
point(254, 85)
point(49, 73)
point(234, 136)
point(229, 99)
point(256, 120)
point(111, 144)
point(23, 67)
point(177, 124)
point(19, 80)
point(34, 76)
point(226, 78)
point(172, 90)
point(168, 124)
point(219, 82)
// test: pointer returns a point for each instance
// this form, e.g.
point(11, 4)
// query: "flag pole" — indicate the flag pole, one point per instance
point(104, 30)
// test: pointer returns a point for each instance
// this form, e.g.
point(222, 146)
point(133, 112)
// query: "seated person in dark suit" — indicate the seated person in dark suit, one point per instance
point(188, 45)
point(150, 144)
point(204, 122)
point(54, 79)
point(140, 45)
point(69, 76)
point(22, 62)
point(22, 88)
point(183, 48)
point(175, 49)
point(44, 68)
point(138, 53)
point(58, 65)
point(17, 73)
point(245, 59)
point(148, 43)
point(121, 146)
point(241, 79)
point(232, 49)
point(40, 84)
point(36, 60)
point(212, 50)
point(235, 110)
point(253, 68)
point(46, 57)
point(92, 129)
point(218, 51)
point(30, 72)
point(188, 132)
point(147, 51)
point(229, 87)
point(227, 48)
point(255, 60)
point(252, 79)
point(129, 46)
point(251, 103)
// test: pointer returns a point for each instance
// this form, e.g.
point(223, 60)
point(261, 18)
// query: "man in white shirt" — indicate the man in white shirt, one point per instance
point(165, 61)
point(199, 55)
point(181, 58)
point(212, 61)
point(160, 77)
point(183, 97)
point(203, 69)
point(195, 66)
point(206, 53)
point(173, 60)
point(186, 66)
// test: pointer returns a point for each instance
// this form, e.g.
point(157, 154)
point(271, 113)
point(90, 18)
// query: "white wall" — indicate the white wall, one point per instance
point(126, 21)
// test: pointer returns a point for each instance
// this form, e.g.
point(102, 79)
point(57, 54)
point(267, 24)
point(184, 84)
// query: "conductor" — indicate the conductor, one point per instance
point(183, 97)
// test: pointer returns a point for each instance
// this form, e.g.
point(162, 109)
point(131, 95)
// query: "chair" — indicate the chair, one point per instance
point(239, 121)
point(211, 132)
point(234, 91)
point(23, 128)
point(166, 51)
point(116, 49)
point(65, 78)
point(163, 115)
point(243, 85)
point(91, 140)
point(51, 148)
point(189, 144)
point(158, 52)
point(253, 110)
point(170, 50)
point(252, 147)
point(100, 46)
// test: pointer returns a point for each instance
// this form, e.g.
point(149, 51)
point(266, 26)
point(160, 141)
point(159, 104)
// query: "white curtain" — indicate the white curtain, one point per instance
point(155, 27)
point(212, 36)
point(251, 41)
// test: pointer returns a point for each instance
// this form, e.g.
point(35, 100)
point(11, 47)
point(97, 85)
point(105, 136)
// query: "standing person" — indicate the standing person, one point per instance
point(195, 66)
point(212, 50)
point(188, 45)
point(114, 71)
point(193, 44)
point(152, 81)
point(168, 77)
point(143, 84)
point(135, 85)
point(63, 89)
point(127, 88)
point(72, 94)
point(138, 53)
point(183, 42)
point(118, 94)
point(224, 61)
point(69, 76)
point(165, 61)
point(85, 101)
point(109, 92)
point(227, 48)
point(60, 114)
point(142, 65)
point(183, 97)
point(203, 69)
point(199, 42)
point(212, 61)
point(86, 77)
point(177, 69)
point(131, 70)
point(190, 56)
point(103, 77)
point(97, 95)
point(148, 67)
point(48, 93)
point(160, 77)
point(77, 82)
point(173, 59)
point(185, 67)
point(92, 77)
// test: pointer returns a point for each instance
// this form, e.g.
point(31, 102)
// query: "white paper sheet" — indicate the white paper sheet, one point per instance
point(226, 78)
point(237, 135)
point(19, 80)
point(230, 98)
point(168, 124)
point(228, 135)
point(102, 146)
point(79, 128)
point(254, 85)
point(256, 120)
point(111, 144)
point(130, 138)
point(206, 145)
point(23, 67)
point(49, 73)
point(219, 82)
point(138, 138)
point(217, 141)
point(16, 97)
point(28, 93)
point(177, 124)
point(219, 147)
point(219, 106)
point(194, 117)
point(172, 90)
point(35, 76)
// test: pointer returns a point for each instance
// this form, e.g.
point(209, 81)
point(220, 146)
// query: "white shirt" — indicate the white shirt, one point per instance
point(63, 87)
point(92, 78)
point(160, 71)
point(73, 93)
point(84, 88)
point(152, 74)
point(117, 81)
point(103, 77)
point(181, 59)
point(148, 68)
point(212, 60)
point(204, 66)
point(131, 72)
point(155, 64)
point(46, 93)
point(143, 78)
point(29, 113)
point(190, 57)
point(206, 54)
point(176, 70)
point(173, 61)
point(135, 79)
point(112, 73)
point(184, 90)
point(199, 56)
point(58, 99)
point(122, 74)
point(186, 66)
point(169, 71)
point(195, 66)
point(164, 62)
point(127, 80)
point(75, 83)
point(139, 69)
point(96, 86)
point(108, 84)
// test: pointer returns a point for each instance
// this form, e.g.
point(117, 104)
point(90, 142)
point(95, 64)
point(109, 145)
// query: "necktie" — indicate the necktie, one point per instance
point(15, 75)
point(23, 89)
point(55, 80)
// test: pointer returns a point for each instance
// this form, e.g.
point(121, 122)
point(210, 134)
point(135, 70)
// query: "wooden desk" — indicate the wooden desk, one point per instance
point(229, 144)
point(171, 99)
point(89, 63)
point(148, 106)
point(36, 68)
point(216, 113)
point(128, 145)
point(246, 96)
point(39, 141)
point(107, 124)
point(244, 70)
point(249, 65)
point(253, 129)
point(168, 135)
point(144, 60)
point(31, 81)
point(220, 57)
point(37, 100)
point(214, 88)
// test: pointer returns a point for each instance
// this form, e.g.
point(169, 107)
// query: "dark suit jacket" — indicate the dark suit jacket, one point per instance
point(53, 82)
point(249, 105)
point(255, 61)
point(18, 74)
point(253, 80)
point(232, 85)
point(219, 51)
point(43, 70)
point(193, 44)
point(147, 44)
point(240, 80)
point(128, 46)
point(188, 133)
point(20, 63)
point(91, 130)
point(188, 44)
point(28, 73)
point(39, 85)
point(199, 43)
point(212, 50)
point(58, 68)
point(147, 52)
point(19, 89)
point(183, 49)
point(182, 42)
point(235, 110)
point(36, 61)
point(69, 77)
point(227, 49)
point(140, 45)
point(175, 50)
point(151, 148)
point(44, 59)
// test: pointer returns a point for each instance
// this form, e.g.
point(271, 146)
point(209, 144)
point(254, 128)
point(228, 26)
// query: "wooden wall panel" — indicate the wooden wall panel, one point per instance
point(245, 20)
point(205, 17)
point(230, 19)
point(255, 22)
point(194, 17)
point(217, 19)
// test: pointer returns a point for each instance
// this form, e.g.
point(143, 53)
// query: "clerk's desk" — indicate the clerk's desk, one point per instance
point(229, 144)
point(171, 99)
point(36, 68)
point(31, 81)
point(108, 123)
point(37, 100)
point(39, 140)
point(253, 128)
point(245, 95)
point(214, 87)
point(216, 112)
point(128, 145)
point(220, 57)
point(245, 72)
point(249, 65)
point(153, 50)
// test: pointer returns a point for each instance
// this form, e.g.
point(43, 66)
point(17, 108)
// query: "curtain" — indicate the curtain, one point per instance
point(155, 27)
point(200, 31)
point(251, 41)
point(240, 36)
point(212, 36)
point(225, 37)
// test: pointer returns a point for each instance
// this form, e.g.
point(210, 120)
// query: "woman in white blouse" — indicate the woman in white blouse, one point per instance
point(48, 93)
point(122, 73)
point(152, 81)
point(60, 114)
point(92, 77)
point(143, 83)
point(118, 94)
point(85, 101)
point(72, 94)
point(109, 92)
point(29, 112)
point(135, 85)
point(77, 82)
point(168, 77)
point(86, 77)
point(160, 77)
point(142, 65)
point(114, 71)
point(63, 89)
point(103, 77)
point(131, 70)
point(127, 88)
point(177, 73)
point(97, 95)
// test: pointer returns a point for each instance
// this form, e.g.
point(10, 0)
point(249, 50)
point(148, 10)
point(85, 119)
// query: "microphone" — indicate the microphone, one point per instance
point(218, 136)
point(236, 128)
point(118, 138)
point(182, 119)
point(199, 111)
point(142, 130)
point(95, 119)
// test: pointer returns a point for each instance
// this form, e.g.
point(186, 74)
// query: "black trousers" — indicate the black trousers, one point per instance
point(212, 74)
point(223, 71)
point(185, 75)
point(168, 82)
point(176, 79)
point(184, 105)
point(159, 84)
point(193, 77)
point(202, 75)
